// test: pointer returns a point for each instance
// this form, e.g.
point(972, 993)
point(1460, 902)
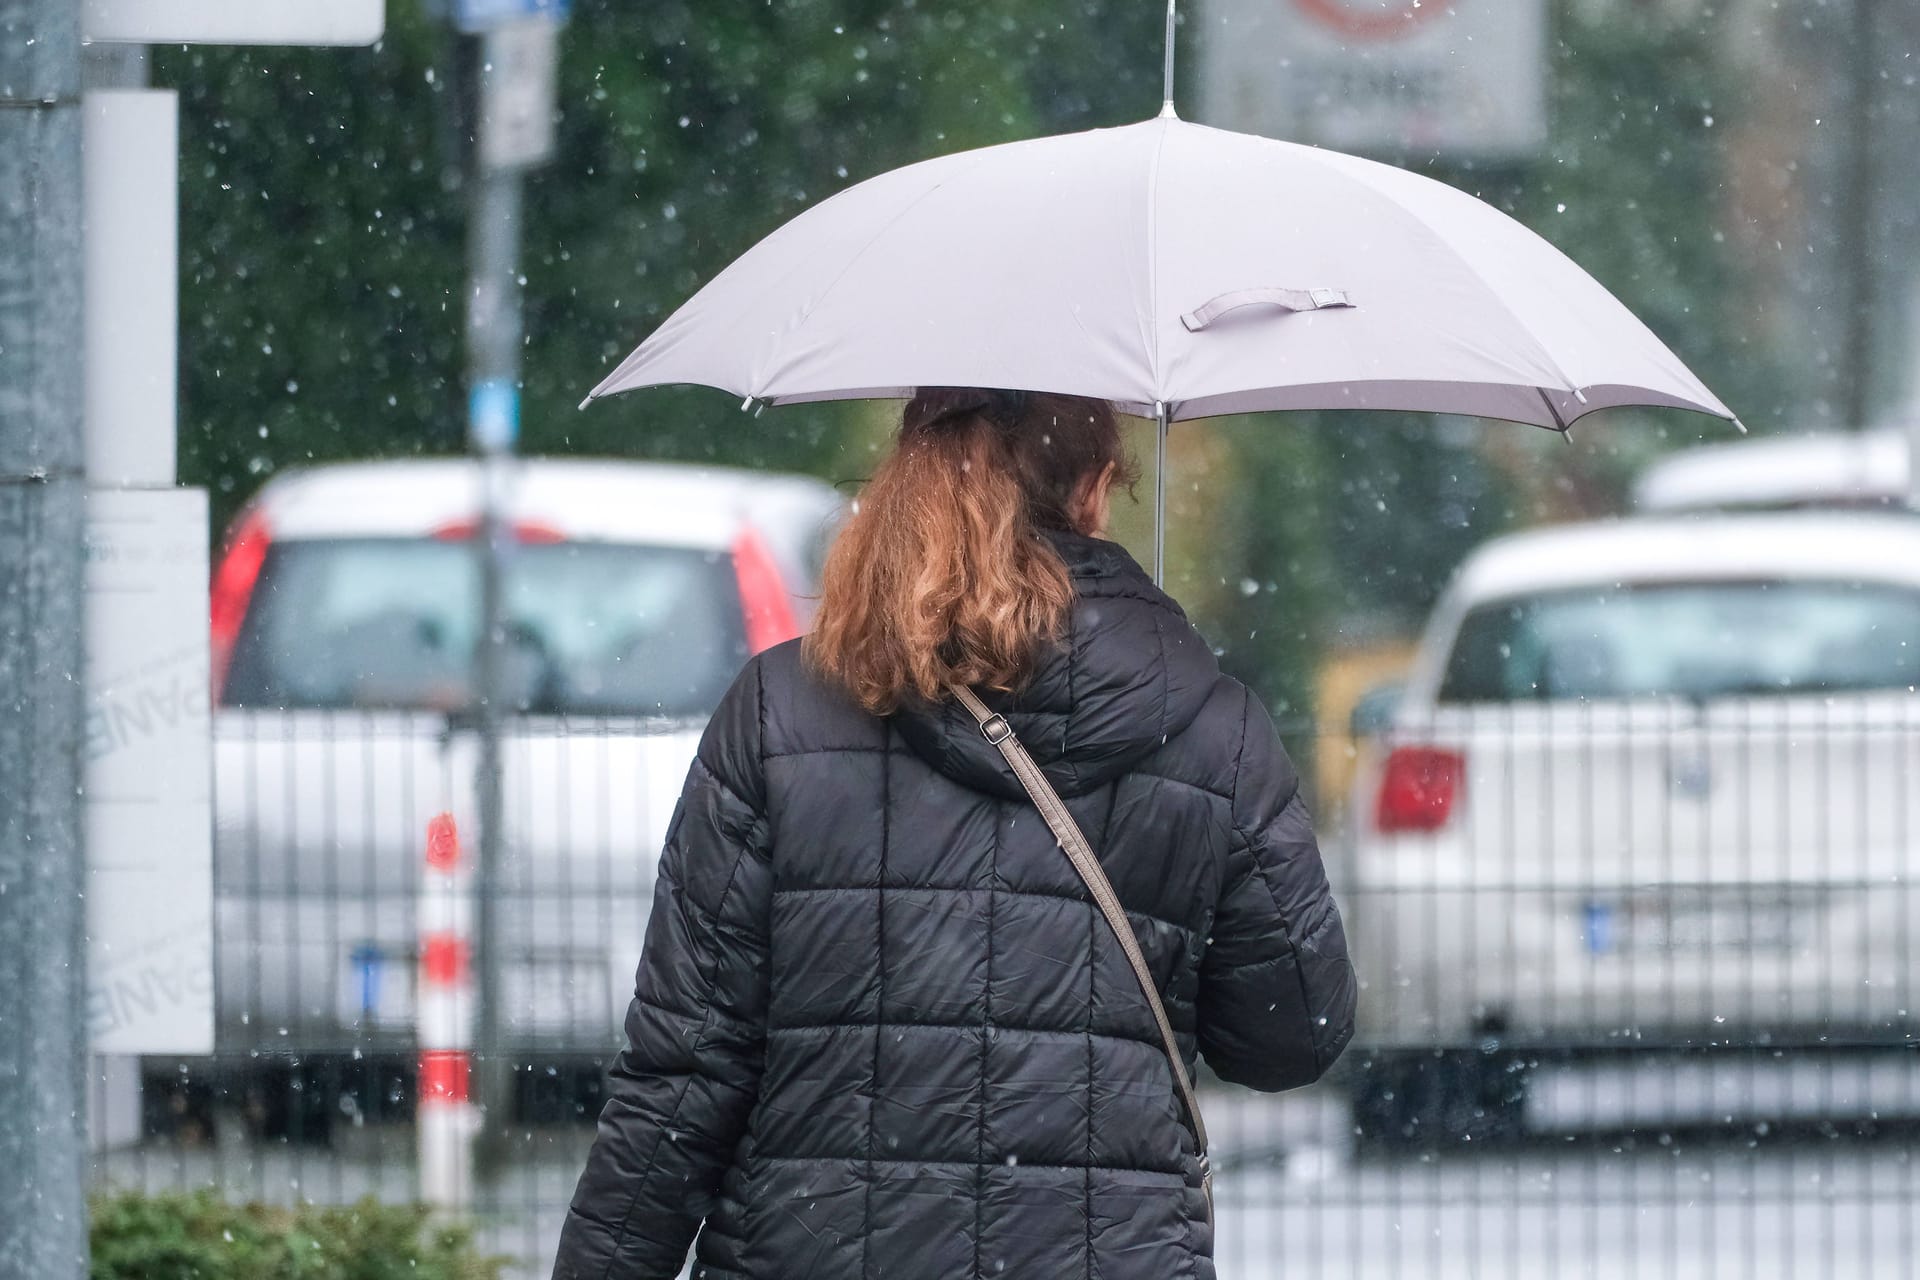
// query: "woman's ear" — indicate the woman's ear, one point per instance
point(1092, 501)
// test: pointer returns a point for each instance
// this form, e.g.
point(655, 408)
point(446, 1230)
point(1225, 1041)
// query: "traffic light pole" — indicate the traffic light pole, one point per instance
point(43, 1219)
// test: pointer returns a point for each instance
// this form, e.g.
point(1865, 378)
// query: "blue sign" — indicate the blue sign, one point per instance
point(493, 415)
point(367, 961)
point(475, 16)
point(1600, 928)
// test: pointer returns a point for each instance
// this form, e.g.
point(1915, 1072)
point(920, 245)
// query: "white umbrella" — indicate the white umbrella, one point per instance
point(1177, 270)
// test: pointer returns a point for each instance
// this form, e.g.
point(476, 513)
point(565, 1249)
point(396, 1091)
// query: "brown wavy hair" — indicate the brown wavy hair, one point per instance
point(942, 575)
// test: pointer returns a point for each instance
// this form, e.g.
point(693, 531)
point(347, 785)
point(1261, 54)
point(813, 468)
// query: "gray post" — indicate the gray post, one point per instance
point(494, 337)
point(1857, 363)
point(43, 1221)
point(516, 130)
point(1913, 459)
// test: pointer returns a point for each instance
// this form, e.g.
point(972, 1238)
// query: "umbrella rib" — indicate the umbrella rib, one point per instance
point(1559, 423)
point(1153, 267)
point(1546, 357)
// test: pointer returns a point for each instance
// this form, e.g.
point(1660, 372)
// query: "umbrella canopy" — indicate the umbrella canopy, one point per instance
point(1177, 270)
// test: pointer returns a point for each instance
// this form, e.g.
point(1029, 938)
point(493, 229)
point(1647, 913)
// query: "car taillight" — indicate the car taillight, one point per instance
point(763, 595)
point(1418, 788)
point(232, 590)
point(525, 532)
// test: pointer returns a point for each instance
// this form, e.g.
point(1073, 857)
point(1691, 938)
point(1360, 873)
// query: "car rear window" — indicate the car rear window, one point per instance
point(1692, 640)
point(593, 628)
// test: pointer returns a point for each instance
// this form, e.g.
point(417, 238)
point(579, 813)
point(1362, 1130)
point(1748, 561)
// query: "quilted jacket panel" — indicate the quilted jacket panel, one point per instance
point(880, 1030)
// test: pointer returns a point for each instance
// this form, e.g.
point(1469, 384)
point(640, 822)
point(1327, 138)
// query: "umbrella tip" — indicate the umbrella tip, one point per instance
point(586, 402)
point(1739, 426)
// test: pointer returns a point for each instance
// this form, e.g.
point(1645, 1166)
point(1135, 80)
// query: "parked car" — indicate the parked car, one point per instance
point(345, 614)
point(1651, 783)
point(1824, 469)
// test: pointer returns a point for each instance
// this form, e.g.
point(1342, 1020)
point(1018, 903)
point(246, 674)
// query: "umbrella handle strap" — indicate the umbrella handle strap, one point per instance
point(1285, 299)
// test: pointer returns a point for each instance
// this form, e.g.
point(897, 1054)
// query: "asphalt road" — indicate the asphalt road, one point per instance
point(1696, 1206)
point(1591, 1199)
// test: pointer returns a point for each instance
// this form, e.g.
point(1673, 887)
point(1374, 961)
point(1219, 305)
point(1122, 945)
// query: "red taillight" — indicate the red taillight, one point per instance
point(1418, 788)
point(526, 532)
point(763, 595)
point(232, 590)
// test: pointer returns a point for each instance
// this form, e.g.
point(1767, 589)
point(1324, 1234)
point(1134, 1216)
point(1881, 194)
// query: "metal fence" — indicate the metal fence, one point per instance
point(1637, 999)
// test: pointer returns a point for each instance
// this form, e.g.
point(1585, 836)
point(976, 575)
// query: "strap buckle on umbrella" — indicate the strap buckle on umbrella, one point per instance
point(1285, 299)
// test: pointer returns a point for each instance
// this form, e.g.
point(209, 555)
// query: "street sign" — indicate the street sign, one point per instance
point(475, 16)
point(493, 415)
point(149, 773)
point(517, 90)
point(1389, 77)
point(342, 22)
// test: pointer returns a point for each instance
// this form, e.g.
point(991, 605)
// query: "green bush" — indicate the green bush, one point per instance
point(202, 1237)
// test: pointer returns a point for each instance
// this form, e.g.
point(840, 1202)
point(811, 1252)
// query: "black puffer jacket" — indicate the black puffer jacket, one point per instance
point(880, 1028)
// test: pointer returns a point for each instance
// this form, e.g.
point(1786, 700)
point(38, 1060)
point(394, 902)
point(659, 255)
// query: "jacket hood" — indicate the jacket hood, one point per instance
point(1130, 673)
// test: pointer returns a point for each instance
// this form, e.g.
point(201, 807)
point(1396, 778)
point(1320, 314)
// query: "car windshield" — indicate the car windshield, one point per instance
point(594, 628)
point(1691, 640)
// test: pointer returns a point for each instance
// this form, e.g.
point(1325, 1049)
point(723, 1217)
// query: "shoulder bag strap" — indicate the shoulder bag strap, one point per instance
point(1080, 853)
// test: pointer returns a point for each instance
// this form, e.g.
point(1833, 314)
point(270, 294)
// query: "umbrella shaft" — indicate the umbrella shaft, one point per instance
point(1166, 97)
point(1162, 418)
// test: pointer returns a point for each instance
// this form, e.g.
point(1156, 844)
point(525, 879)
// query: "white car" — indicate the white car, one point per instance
point(345, 612)
point(1821, 469)
point(1651, 783)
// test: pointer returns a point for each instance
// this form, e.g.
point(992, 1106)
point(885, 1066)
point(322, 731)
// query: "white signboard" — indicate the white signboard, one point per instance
point(1388, 77)
point(149, 811)
point(517, 93)
point(132, 157)
point(233, 21)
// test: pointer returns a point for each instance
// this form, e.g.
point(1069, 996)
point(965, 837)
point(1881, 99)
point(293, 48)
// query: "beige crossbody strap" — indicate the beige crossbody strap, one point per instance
point(1080, 853)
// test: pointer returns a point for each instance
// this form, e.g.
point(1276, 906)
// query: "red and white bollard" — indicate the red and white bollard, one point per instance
point(445, 1119)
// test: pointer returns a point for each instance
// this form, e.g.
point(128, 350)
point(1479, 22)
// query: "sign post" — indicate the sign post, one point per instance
point(519, 49)
point(43, 1208)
